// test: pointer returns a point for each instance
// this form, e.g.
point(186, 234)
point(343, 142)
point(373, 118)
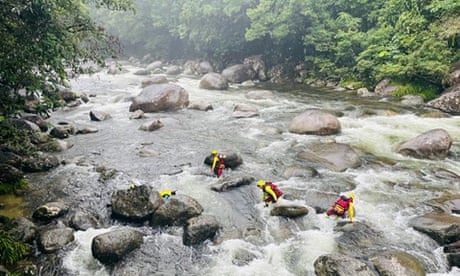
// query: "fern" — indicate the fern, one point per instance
point(11, 250)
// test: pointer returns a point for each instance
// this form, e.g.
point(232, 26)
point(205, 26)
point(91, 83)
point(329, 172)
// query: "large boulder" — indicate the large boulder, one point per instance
point(239, 73)
point(334, 156)
point(245, 111)
point(40, 163)
point(160, 97)
point(232, 182)
point(213, 81)
point(50, 210)
point(433, 144)
point(136, 204)
point(316, 122)
point(290, 211)
point(449, 101)
point(112, 246)
point(341, 265)
point(443, 228)
point(55, 239)
point(232, 160)
point(176, 211)
point(199, 229)
point(397, 263)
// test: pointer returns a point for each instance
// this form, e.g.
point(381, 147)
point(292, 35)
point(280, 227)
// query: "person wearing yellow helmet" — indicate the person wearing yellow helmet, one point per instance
point(342, 206)
point(218, 163)
point(167, 193)
point(270, 192)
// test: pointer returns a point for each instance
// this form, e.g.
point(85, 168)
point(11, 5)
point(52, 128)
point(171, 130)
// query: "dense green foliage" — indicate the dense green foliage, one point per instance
point(41, 39)
point(11, 250)
point(363, 40)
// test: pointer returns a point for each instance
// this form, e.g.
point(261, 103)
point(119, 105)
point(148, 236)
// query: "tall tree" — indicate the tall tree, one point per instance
point(41, 39)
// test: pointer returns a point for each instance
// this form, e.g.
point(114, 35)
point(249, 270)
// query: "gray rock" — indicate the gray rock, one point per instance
point(112, 246)
point(199, 229)
point(55, 239)
point(314, 121)
point(176, 211)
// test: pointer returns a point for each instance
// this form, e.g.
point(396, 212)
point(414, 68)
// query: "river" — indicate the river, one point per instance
point(388, 196)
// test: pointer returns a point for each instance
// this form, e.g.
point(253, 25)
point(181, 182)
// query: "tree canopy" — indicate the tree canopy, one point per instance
point(363, 40)
point(41, 39)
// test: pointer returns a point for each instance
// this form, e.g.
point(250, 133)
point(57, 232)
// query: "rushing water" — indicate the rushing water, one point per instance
point(388, 196)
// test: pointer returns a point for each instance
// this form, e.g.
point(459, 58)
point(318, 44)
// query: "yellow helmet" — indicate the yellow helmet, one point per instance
point(351, 195)
point(260, 183)
point(213, 152)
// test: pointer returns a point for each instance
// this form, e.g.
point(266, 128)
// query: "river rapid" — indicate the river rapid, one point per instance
point(390, 189)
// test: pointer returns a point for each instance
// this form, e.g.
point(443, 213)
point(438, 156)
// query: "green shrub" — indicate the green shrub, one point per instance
point(9, 188)
point(11, 250)
point(426, 92)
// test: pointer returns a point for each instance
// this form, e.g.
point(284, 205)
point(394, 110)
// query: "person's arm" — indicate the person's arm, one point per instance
point(350, 211)
point(269, 190)
point(214, 162)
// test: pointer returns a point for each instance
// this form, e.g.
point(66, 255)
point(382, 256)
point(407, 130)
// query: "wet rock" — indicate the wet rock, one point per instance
point(40, 163)
point(258, 65)
point(176, 211)
point(453, 253)
point(449, 101)
point(199, 229)
point(23, 230)
point(135, 204)
point(289, 211)
point(341, 265)
point(138, 114)
point(397, 263)
point(154, 65)
point(201, 106)
point(10, 174)
point(360, 239)
point(385, 88)
point(213, 81)
point(81, 220)
point(55, 239)
point(87, 130)
point(112, 246)
point(98, 116)
point(315, 122)
point(232, 160)
point(63, 130)
point(50, 210)
point(239, 73)
point(25, 125)
point(160, 97)
point(433, 144)
point(442, 228)
point(334, 156)
point(151, 126)
point(245, 111)
point(232, 182)
point(173, 70)
point(36, 119)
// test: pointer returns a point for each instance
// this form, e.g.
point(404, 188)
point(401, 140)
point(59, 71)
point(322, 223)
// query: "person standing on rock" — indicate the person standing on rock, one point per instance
point(218, 163)
point(343, 205)
point(270, 192)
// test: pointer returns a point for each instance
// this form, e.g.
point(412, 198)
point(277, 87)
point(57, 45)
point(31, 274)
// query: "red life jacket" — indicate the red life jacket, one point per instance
point(275, 189)
point(341, 205)
point(219, 166)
